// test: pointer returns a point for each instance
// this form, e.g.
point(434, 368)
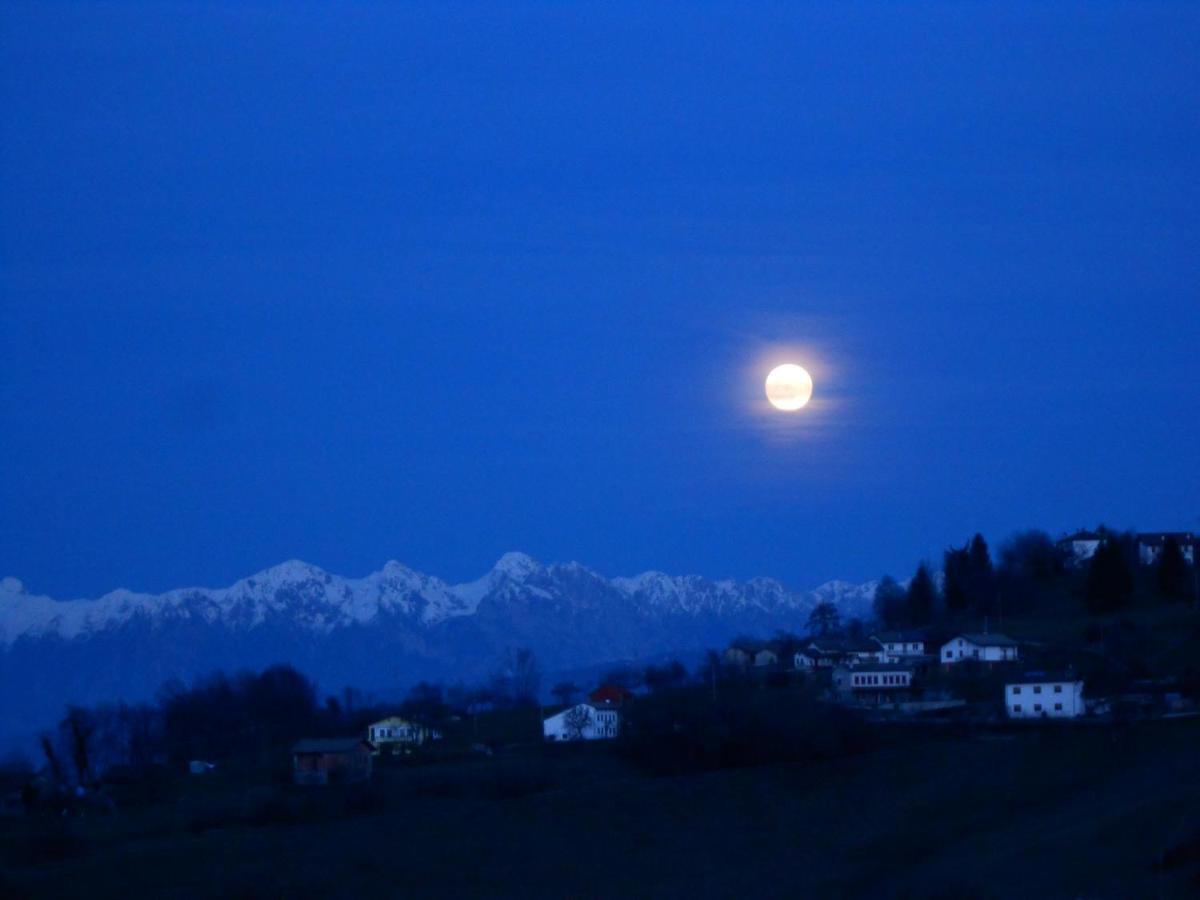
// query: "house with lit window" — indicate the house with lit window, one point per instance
point(873, 682)
point(985, 648)
point(1044, 695)
point(394, 733)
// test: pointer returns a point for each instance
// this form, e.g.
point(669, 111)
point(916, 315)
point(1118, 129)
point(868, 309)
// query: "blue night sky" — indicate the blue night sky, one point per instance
point(351, 283)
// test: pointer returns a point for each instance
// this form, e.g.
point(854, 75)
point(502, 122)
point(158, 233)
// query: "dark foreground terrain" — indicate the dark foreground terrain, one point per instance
point(1042, 813)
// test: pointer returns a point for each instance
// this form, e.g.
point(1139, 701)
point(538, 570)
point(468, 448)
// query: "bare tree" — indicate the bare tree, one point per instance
point(52, 760)
point(576, 722)
point(79, 730)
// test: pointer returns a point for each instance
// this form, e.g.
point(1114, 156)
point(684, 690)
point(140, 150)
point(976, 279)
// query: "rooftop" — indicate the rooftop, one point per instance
point(989, 640)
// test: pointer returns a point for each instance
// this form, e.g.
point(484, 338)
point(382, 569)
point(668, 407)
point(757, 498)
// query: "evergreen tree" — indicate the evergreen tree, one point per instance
point(921, 598)
point(956, 566)
point(1109, 579)
point(1172, 575)
point(890, 602)
point(824, 619)
point(981, 579)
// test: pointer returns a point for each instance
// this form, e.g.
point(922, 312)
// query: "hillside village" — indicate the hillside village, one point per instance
point(926, 674)
point(1094, 637)
point(1083, 629)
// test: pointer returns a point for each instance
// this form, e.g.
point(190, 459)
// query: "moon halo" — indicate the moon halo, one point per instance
point(789, 387)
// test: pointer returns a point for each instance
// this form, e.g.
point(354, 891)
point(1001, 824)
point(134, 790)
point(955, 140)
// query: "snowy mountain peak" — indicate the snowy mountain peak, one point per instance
point(299, 595)
point(516, 566)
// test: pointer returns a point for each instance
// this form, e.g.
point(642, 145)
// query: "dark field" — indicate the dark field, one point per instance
point(1052, 813)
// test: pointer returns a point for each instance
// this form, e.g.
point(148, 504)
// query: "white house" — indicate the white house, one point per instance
point(1041, 695)
point(1080, 546)
point(986, 648)
point(394, 732)
point(900, 644)
point(1150, 545)
point(582, 722)
point(879, 682)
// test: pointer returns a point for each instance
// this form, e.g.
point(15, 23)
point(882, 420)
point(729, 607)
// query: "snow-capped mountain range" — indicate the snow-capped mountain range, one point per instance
point(379, 632)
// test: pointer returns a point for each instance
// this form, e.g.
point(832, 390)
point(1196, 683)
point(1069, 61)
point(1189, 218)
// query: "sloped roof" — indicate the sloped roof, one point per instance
point(899, 637)
point(879, 667)
point(392, 720)
point(988, 640)
point(1047, 678)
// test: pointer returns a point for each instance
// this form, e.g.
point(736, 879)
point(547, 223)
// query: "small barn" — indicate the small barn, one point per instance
point(331, 760)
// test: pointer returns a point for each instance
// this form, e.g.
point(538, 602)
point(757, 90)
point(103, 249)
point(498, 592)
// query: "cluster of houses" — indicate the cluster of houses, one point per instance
point(886, 671)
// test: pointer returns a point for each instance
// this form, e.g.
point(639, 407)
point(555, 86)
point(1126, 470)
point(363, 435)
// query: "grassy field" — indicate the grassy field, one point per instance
point(1054, 813)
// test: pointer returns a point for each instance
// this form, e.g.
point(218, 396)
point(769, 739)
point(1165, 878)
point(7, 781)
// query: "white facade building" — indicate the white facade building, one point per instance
point(898, 644)
point(1039, 695)
point(582, 722)
point(985, 648)
point(394, 731)
point(872, 683)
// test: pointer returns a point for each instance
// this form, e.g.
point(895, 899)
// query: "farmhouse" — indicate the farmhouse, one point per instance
point(395, 733)
point(1039, 695)
point(873, 683)
point(582, 722)
point(986, 648)
point(1150, 545)
point(331, 760)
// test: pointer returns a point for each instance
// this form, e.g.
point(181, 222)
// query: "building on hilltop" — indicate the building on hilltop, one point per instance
point(873, 682)
point(1044, 695)
point(899, 644)
point(984, 648)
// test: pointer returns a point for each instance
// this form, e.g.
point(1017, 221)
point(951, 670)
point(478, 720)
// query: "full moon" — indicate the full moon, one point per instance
point(789, 387)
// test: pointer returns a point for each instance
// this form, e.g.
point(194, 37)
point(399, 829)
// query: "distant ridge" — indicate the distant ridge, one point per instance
point(379, 632)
